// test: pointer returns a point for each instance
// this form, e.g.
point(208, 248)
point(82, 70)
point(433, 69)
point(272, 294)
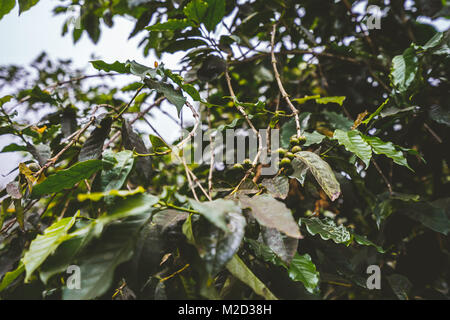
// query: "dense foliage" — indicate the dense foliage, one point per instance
point(363, 173)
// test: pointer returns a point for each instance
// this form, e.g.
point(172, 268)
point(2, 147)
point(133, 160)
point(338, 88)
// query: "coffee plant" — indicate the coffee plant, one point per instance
point(98, 208)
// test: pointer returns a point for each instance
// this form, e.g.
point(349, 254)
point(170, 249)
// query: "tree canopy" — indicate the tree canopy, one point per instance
point(358, 106)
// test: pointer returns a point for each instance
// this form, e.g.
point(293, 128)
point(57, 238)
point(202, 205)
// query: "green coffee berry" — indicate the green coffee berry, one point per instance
point(296, 149)
point(285, 162)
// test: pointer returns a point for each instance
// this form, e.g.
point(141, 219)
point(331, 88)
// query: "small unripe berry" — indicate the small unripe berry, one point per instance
point(285, 162)
point(290, 155)
point(293, 141)
point(247, 164)
point(296, 149)
point(302, 140)
point(281, 152)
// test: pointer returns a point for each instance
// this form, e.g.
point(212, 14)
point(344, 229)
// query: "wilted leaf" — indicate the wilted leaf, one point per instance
point(13, 189)
point(322, 172)
point(283, 246)
point(271, 213)
point(277, 186)
point(216, 211)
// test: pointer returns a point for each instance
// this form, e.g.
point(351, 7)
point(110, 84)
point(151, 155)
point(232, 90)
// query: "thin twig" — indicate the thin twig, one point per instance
point(280, 84)
point(388, 184)
point(52, 161)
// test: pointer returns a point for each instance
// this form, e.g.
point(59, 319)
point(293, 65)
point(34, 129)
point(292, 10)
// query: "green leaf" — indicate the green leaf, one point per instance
point(45, 244)
point(68, 251)
point(187, 87)
point(67, 178)
point(271, 213)
point(170, 25)
point(362, 240)
point(195, 10)
point(98, 262)
point(115, 177)
point(215, 211)
point(117, 66)
point(214, 14)
point(339, 100)
point(158, 144)
point(354, 142)
point(11, 276)
point(304, 270)
point(338, 121)
point(6, 6)
point(238, 269)
point(174, 96)
point(277, 186)
point(13, 147)
point(312, 138)
point(140, 70)
point(323, 173)
point(327, 229)
point(388, 149)
point(404, 70)
point(93, 147)
point(25, 5)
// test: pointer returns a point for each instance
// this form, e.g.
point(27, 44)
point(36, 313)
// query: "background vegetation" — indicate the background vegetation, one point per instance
point(363, 177)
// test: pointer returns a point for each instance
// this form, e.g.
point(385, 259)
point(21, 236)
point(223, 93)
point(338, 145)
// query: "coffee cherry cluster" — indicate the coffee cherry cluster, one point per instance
point(287, 155)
